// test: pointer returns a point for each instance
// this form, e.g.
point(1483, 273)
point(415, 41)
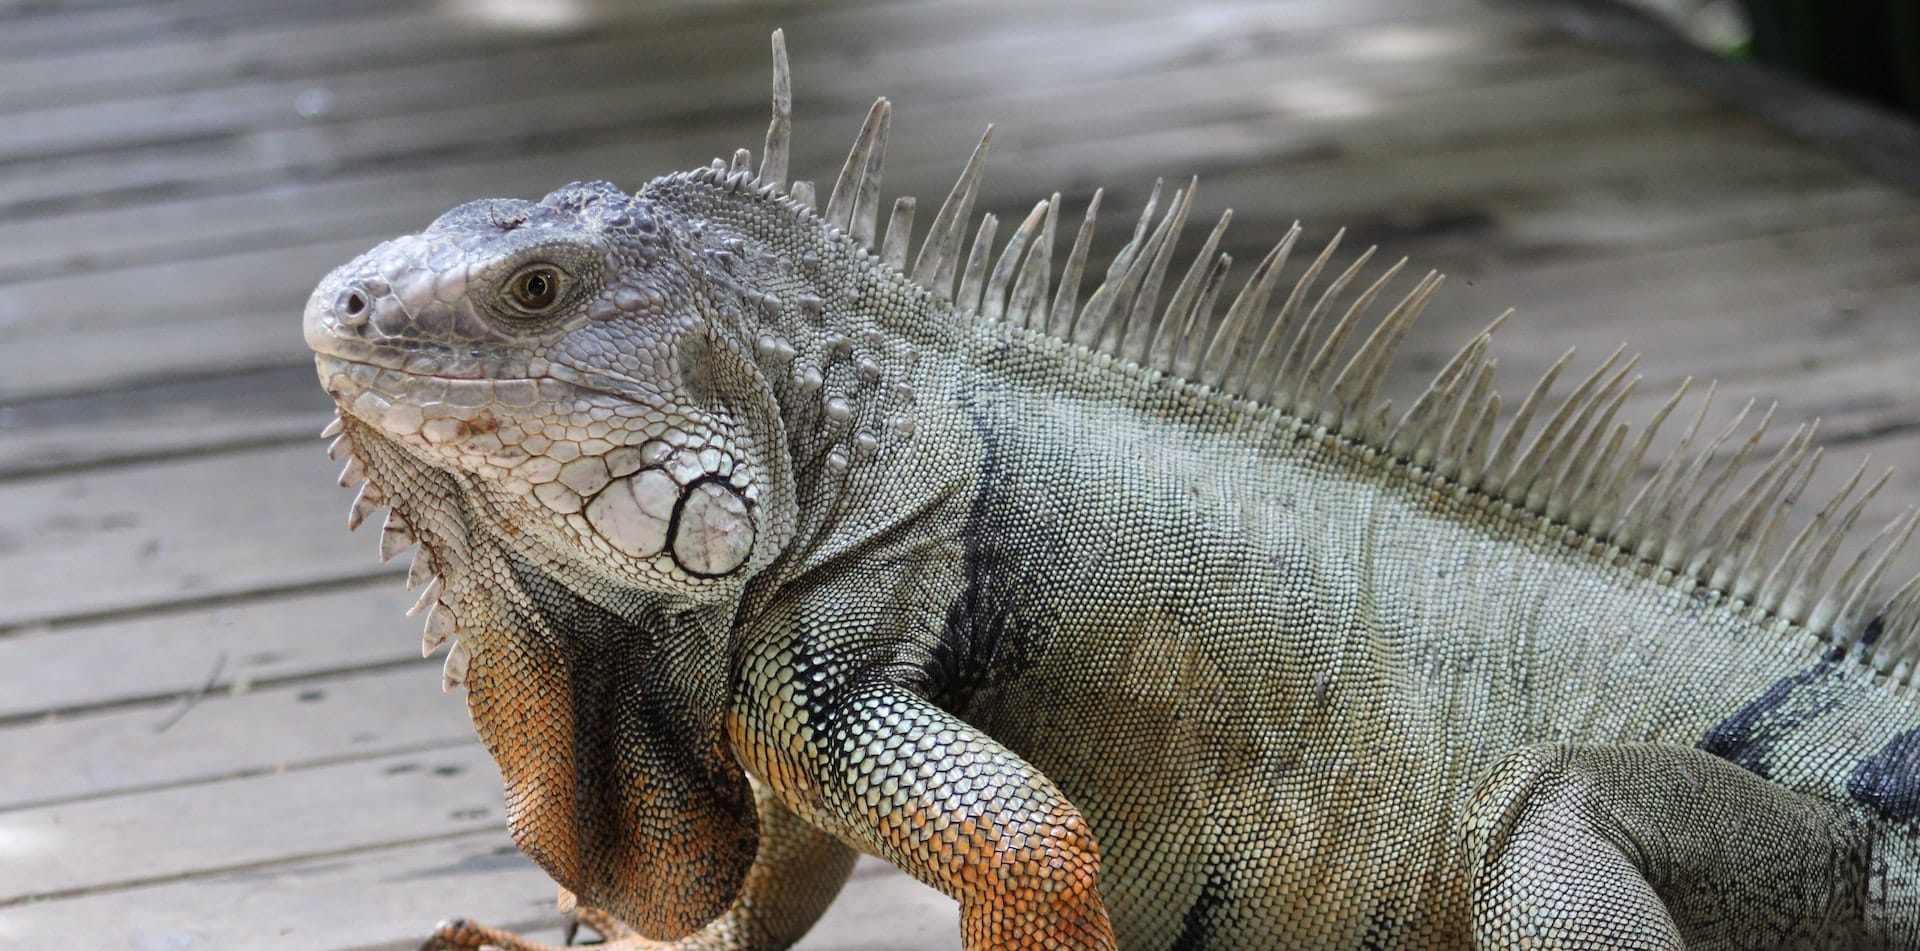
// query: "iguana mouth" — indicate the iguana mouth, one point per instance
point(682, 502)
point(392, 398)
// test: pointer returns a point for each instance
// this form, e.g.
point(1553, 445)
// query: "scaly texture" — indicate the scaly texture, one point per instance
point(1133, 620)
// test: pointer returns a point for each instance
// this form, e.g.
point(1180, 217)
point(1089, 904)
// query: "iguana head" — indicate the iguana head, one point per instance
point(562, 355)
point(568, 416)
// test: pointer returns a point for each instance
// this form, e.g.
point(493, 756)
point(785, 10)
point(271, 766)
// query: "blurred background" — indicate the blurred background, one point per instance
point(215, 729)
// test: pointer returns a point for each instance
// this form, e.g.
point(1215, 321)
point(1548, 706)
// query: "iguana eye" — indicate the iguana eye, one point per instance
point(534, 289)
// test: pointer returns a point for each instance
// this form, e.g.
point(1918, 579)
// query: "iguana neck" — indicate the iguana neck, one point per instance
point(866, 369)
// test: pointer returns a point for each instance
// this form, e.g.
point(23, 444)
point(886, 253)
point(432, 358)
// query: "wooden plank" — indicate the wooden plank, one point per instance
point(407, 83)
point(160, 321)
point(600, 90)
point(1797, 288)
point(240, 45)
point(196, 225)
point(414, 33)
point(229, 735)
point(266, 47)
point(84, 846)
point(1881, 141)
point(71, 27)
point(1659, 161)
point(196, 529)
point(76, 29)
point(219, 649)
point(512, 123)
point(388, 900)
point(170, 418)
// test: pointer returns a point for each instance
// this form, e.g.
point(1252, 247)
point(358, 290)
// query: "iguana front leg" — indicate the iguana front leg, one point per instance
point(885, 768)
point(1650, 846)
point(796, 872)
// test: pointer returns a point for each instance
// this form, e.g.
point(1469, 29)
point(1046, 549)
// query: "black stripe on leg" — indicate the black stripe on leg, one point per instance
point(1199, 922)
point(1747, 738)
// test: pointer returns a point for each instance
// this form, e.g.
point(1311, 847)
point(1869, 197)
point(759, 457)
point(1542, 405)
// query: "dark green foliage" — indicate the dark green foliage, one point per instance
point(1870, 48)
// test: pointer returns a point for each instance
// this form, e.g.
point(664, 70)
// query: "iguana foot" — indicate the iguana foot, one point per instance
point(463, 935)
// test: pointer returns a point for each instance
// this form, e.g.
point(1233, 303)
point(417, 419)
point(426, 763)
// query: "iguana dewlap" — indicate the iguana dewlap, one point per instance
point(1132, 620)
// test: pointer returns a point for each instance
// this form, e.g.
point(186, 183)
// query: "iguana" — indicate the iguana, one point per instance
point(1127, 621)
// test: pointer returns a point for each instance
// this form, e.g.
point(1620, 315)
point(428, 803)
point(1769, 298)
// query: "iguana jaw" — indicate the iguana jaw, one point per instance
point(680, 503)
point(628, 795)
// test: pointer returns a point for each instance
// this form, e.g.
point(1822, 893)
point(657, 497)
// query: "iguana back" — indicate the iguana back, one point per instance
point(1136, 617)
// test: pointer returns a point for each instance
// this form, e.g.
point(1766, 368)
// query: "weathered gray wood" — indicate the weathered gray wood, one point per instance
point(653, 110)
point(240, 823)
point(194, 529)
point(1794, 290)
point(384, 35)
point(389, 899)
point(221, 648)
point(1878, 138)
point(178, 417)
point(71, 30)
point(247, 301)
point(226, 734)
point(548, 111)
point(396, 84)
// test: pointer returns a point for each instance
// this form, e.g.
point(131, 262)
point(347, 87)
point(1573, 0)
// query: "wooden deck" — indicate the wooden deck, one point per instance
point(215, 729)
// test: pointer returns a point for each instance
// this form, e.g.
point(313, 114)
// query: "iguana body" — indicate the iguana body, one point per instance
point(1127, 621)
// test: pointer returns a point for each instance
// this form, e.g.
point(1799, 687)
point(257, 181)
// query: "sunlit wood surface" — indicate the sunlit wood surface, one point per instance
point(215, 728)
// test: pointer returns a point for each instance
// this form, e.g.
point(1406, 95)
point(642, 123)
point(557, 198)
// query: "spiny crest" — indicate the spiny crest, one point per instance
point(1580, 469)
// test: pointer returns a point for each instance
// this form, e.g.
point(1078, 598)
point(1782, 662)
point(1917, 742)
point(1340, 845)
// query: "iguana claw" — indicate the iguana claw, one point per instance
point(459, 934)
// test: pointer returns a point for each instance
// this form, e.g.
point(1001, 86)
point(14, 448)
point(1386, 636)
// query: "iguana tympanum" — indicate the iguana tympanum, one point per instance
point(1128, 621)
